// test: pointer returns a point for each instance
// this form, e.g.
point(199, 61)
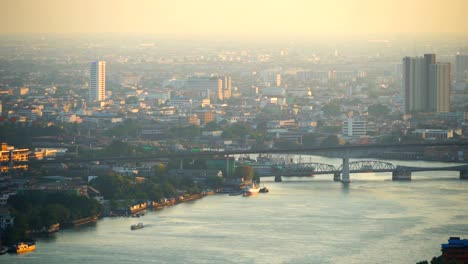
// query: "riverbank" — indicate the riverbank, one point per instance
point(177, 200)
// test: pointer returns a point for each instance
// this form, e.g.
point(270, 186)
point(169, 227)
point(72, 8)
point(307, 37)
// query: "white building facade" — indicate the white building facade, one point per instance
point(97, 84)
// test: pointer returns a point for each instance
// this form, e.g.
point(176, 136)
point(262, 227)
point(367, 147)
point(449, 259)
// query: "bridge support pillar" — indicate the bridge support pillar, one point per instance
point(464, 175)
point(345, 171)
point(278, 178)
point(401, 175)
point(227, 166)
point(336, 176)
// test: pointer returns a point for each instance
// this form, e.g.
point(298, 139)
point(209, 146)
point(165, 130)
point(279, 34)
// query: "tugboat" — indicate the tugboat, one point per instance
point(24, 247)
point(137, 226)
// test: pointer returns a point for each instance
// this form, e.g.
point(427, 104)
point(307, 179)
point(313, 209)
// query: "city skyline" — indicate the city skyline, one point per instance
point(208, 17)
point(325, 130)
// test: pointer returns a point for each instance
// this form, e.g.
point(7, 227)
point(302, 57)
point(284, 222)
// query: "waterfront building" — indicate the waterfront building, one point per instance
point(426, 85)
point(6, 219)
point(97, 84)
point(433, 134)
point(4, 199)
point(9, 155)
point(461, 68)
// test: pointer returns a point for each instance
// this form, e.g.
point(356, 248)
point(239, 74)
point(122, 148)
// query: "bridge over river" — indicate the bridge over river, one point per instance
point(342, 173)
point(362, 166)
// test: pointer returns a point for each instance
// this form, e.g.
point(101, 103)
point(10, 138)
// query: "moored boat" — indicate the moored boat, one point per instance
point(3, 250)
point(137, 226)
point(52, 229)
point(23, 247)
point(251, 189)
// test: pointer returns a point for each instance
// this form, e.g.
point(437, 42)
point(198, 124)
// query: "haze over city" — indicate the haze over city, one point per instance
point(233, 131)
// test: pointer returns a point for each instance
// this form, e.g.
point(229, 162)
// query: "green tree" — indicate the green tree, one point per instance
point(187, 132)
point(237, 131)
point(131, 100)
point(128, 128)
point(330, 141)
point(110, 186)
point(214, 182)
point(310, 140)
point(332, 108)
point(212, 126)
point(118, 148)
point(378, 111)
point(246, 172)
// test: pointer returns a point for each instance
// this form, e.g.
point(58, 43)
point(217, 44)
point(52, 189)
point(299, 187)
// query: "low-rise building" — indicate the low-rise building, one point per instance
point(428, 134)
point(9, 155)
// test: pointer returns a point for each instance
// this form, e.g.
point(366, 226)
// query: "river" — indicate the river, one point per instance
point(301, 220)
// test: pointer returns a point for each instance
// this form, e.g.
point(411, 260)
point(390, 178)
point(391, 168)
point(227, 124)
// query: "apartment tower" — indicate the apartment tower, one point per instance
point(426, 85)
point(97, 84)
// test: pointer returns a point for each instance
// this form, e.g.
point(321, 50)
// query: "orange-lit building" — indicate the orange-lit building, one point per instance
point(193, 120)
point(10, 156)
point(206, 116)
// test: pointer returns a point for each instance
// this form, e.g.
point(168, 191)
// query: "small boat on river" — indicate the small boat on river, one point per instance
point(3, 250)
point(251, 189)
point(137, 226)
point(24, 247)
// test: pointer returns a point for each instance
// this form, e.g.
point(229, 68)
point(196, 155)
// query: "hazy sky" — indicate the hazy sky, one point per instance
point(254, 17)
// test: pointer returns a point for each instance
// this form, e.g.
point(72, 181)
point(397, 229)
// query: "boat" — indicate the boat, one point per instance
point(3, 250)
point(137, 226)
point(24, 247)
point(251, 189)
point(455, 251)
point(52, 229)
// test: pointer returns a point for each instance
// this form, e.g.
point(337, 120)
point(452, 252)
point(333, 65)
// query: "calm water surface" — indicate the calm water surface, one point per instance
point(301, 220)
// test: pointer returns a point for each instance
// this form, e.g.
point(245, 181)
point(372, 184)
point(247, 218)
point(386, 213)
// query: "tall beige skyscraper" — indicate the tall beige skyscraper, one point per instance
point(224, 87)
point(97, 84)
point(439, 87)
point(426, 85)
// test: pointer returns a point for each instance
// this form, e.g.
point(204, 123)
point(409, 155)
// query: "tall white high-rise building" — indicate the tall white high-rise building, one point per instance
point(97, 84)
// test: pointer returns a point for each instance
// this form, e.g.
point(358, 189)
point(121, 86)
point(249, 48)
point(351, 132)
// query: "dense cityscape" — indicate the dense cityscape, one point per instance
point(113, 126)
